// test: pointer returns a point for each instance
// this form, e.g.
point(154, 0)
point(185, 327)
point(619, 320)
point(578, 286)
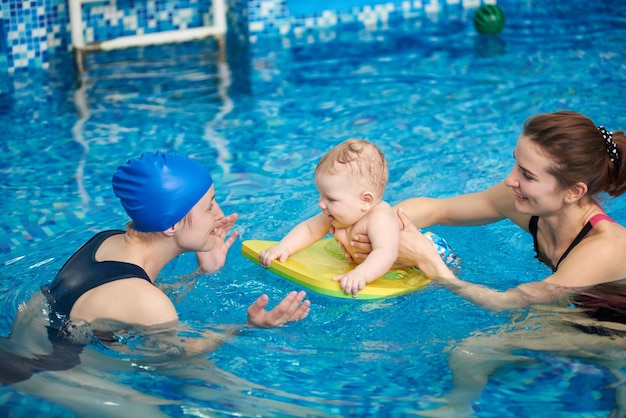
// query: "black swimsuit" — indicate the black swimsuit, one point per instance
point(607, 307)
point(532, 228)
point(80, 274)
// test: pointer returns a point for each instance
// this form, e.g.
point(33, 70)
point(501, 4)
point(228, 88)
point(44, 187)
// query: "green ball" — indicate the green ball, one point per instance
point(489, 19)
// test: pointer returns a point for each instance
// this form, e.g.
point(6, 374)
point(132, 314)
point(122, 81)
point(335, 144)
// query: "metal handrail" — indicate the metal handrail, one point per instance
point(177, 35)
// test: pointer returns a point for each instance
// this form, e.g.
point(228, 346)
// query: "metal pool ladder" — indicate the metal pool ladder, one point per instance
point(180, 35)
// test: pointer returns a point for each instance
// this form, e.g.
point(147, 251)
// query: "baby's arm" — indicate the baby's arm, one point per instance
point(303, 235)
point(383, 229)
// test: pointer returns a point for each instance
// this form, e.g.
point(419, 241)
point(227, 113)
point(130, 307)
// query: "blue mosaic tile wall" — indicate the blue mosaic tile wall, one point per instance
point(237, 20)
point(24, 28)
point(274, 16)
point(33, 30)
point(129, 17)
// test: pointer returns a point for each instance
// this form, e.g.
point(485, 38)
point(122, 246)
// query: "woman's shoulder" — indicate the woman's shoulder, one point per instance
point(132, 300)
point(599, 258)
point(608, 231)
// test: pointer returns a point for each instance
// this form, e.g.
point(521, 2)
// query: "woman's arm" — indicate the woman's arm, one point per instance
point(517, 297)
point(165, 339)
point(416, 249)
point(488, 206)
point(292, 308)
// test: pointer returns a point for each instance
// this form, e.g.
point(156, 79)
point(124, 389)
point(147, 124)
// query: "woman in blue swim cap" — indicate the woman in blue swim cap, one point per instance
point(171, 202)
point(107, 288)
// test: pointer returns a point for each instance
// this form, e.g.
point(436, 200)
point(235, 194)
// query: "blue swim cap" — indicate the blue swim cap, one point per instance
point(159, 189)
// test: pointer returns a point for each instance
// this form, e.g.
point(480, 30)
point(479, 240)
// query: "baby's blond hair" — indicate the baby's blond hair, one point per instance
point(362, 159)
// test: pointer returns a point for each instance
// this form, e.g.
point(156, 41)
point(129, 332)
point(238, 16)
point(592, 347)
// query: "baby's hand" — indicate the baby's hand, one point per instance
point(351, 282)
point(278, 252)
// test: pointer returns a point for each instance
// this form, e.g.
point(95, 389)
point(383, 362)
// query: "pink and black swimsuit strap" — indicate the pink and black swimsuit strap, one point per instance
point(600, 217)
point(532, 227)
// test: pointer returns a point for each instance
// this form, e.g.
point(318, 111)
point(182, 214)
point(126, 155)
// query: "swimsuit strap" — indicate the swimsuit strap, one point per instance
point(532, 228)
point(583, 232)
point(82, 273)
point(600, 217)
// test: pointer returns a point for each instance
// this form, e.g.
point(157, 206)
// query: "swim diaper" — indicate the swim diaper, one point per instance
point(158, 189)
point(444, 250)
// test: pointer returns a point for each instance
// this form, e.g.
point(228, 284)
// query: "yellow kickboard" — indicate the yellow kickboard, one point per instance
point(314, 267)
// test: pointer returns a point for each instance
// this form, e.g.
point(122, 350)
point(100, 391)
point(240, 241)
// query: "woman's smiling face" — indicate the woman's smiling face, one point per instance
point(537, 191)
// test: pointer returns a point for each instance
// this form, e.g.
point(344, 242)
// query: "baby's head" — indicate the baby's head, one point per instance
point(359, 159)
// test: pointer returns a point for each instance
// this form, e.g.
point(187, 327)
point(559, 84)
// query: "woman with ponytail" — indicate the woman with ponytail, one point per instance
point(563, 163)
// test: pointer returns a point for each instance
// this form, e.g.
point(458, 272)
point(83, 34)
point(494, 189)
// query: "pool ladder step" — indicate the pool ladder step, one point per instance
point(218, 28)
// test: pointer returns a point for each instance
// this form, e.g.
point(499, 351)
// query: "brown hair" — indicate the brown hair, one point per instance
point(579, 152)
point(360, 158)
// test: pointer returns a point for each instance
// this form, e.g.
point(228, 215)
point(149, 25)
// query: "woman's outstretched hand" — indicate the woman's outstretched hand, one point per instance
point(292, 308)
point(417, 250)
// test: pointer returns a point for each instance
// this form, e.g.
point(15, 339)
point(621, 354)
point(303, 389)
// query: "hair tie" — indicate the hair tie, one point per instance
point(611, 148)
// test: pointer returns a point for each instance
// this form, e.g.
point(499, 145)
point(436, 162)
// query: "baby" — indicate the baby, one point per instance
point(351, 180)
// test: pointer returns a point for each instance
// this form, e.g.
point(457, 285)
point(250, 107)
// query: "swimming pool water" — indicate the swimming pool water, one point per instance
point(444, 104)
